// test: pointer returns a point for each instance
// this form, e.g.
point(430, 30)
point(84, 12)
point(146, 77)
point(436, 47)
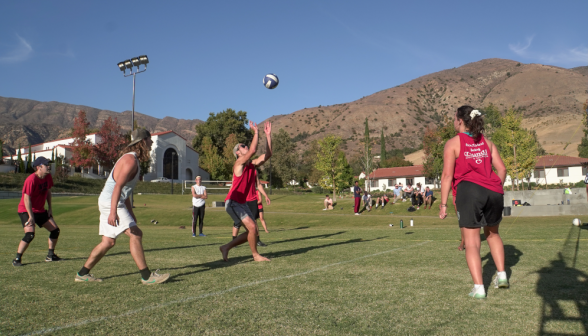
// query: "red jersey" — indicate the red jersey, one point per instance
point(242, 185)
point(37, 189)
point(474, 164)
point(252, 196)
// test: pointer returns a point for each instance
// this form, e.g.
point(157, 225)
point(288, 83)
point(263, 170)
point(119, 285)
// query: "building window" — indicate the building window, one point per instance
point(429, 180)
point(539, 173)
point(563, 172)
point(584, 170)
point(409, 181)
point(374, 183)
point(391, 182)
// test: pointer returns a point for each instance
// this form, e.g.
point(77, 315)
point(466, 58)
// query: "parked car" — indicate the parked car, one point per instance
point(161, 179)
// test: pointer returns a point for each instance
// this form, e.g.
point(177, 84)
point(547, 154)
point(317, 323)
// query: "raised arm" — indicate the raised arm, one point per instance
point(242, 160)
point(268, 152)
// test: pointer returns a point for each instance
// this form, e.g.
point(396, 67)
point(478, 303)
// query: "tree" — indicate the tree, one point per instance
point(517, 147)
point(395, 161)
point(328, 163)
point(219, 126)
point(1, 151)
point(30, 162)
point(82, 154)
point(382, 147)
point(434, 141)
point(583, 146)
point(112, 141)
point(228, 156)
point(21, 165)
point(492, 119)
point(284, 157)
point(367, 160)
point(346, 178)
point(306, 168)
point(211, 161)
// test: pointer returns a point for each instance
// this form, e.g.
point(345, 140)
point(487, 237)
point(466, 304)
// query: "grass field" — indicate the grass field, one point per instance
point(332, 273)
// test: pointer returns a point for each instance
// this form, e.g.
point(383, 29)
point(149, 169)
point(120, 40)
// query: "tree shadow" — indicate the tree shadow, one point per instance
point(512, 256)
point(558, 283)
point(272, 255)
point(323, 236)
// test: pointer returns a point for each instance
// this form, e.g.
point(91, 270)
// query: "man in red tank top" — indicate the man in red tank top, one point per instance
point(468, 159)
point(243, 182)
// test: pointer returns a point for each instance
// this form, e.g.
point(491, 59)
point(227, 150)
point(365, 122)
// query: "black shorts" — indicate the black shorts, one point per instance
point(254, 210)
point(477, 206)
point(259, 208)
point(40, 218)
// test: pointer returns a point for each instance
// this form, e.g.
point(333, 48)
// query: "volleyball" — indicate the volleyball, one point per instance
point(271, 81)
point(577, 222)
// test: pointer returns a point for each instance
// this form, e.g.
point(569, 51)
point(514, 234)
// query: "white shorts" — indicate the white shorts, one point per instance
point(125, 220)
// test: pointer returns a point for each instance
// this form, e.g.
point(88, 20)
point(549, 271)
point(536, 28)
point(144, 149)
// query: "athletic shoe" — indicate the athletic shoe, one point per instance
point(501, 283)
point(52, 258)
point(357, 213)
point(324, 209)
point(156, 278)
point(193, 235)
point(477, 295)
point(86, 278)
point(418, 208)
point(260, 243)
point(16, 262)
point(202, 235)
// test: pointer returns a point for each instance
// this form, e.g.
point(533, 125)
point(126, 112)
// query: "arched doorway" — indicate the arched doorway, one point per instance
point(170, 160)
point(189, 176)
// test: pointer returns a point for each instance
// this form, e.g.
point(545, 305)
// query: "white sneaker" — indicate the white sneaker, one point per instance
point(477, 294)
point(357, 213)
point(324, 209)
point(501, 282)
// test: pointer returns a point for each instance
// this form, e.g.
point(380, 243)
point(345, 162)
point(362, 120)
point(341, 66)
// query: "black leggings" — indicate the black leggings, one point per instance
point(197, 213)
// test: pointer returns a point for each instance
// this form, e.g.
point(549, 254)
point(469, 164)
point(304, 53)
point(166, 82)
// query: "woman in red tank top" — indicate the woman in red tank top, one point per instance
point(468, 159)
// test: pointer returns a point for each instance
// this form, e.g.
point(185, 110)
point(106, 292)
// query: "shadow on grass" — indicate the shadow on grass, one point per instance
point(323, 236)
point(512, 256)
point(298, 228)
point(273, 255)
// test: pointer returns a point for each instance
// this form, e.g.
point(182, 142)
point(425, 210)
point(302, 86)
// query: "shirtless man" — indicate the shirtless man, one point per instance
point(244, 171)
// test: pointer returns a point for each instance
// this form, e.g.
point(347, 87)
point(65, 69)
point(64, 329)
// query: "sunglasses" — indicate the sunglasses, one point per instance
point(243, 146)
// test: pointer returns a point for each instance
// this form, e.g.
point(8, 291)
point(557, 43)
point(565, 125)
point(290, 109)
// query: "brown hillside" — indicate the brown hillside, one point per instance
point(551, 98)
point(24, 121)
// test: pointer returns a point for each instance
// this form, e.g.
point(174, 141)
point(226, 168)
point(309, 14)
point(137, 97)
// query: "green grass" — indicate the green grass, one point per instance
point(332, 273)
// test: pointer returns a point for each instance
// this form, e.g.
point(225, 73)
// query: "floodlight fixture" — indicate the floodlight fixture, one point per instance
point(121, 66)
point(129, 64)
point(143, 59)
point(135, 61)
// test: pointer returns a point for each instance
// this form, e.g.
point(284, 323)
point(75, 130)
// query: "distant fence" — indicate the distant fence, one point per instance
point(18, 194)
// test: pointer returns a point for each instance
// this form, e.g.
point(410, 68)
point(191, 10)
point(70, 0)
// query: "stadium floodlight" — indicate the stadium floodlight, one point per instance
point(135, 61)
point(129, 64)
point(144, 60)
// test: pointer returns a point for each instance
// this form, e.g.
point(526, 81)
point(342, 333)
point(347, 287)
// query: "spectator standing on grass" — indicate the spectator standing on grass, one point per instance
point(328, 203)
point(428, 197)
point(116, 211)
point(199, 196)
point(244, 180)
point(468, 159)
point(357, 198)
point(31, 210)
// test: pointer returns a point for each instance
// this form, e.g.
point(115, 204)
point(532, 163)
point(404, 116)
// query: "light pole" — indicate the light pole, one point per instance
point(129, 64)
point(172, 172)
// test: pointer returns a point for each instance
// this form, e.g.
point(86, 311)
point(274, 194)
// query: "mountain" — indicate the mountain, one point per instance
point(24, 121)
point(550, 97)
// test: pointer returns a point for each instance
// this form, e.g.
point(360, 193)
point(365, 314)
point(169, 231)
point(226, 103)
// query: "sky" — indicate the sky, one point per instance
point(207, 56)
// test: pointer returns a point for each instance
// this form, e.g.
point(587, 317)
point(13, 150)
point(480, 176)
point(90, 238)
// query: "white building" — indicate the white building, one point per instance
point(386, 178)
point(170, 151)
point(557, 169)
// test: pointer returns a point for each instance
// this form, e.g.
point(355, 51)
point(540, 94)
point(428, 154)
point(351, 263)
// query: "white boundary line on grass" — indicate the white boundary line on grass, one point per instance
point(202, 296)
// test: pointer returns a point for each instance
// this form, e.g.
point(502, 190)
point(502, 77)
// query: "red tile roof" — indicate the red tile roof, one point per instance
point(409, 171)
point(549, 161)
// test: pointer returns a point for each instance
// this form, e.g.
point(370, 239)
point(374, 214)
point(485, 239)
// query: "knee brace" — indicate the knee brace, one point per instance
point(28, 237)
point(54, 234)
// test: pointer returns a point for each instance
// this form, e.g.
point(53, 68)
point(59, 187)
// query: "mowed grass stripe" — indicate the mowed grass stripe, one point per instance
point(202, 296)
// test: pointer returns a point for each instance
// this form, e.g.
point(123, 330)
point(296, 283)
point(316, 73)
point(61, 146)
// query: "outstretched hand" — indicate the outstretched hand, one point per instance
point(268, 128)
point(253, 126)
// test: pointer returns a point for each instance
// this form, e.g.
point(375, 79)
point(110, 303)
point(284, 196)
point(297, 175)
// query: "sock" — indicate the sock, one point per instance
point(234, 237)
point(51, 252)
point(83, 271)
point(501, 275)
point(18, 256)
point(480, 289)
point(145, 273)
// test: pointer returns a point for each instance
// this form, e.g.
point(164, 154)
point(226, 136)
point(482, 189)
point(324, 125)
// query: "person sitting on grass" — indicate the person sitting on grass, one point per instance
point(328, 203)
point(408, 192)
point(382, 200)
point(417, 196)
point(428, 197)
point(367, 201)
point(397, 192)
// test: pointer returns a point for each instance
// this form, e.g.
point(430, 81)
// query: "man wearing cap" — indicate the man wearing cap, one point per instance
point(116, 211)
point(244, 180)
point(31, 209)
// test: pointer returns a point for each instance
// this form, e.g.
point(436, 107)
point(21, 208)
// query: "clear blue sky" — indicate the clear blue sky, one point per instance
point(206, 56)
